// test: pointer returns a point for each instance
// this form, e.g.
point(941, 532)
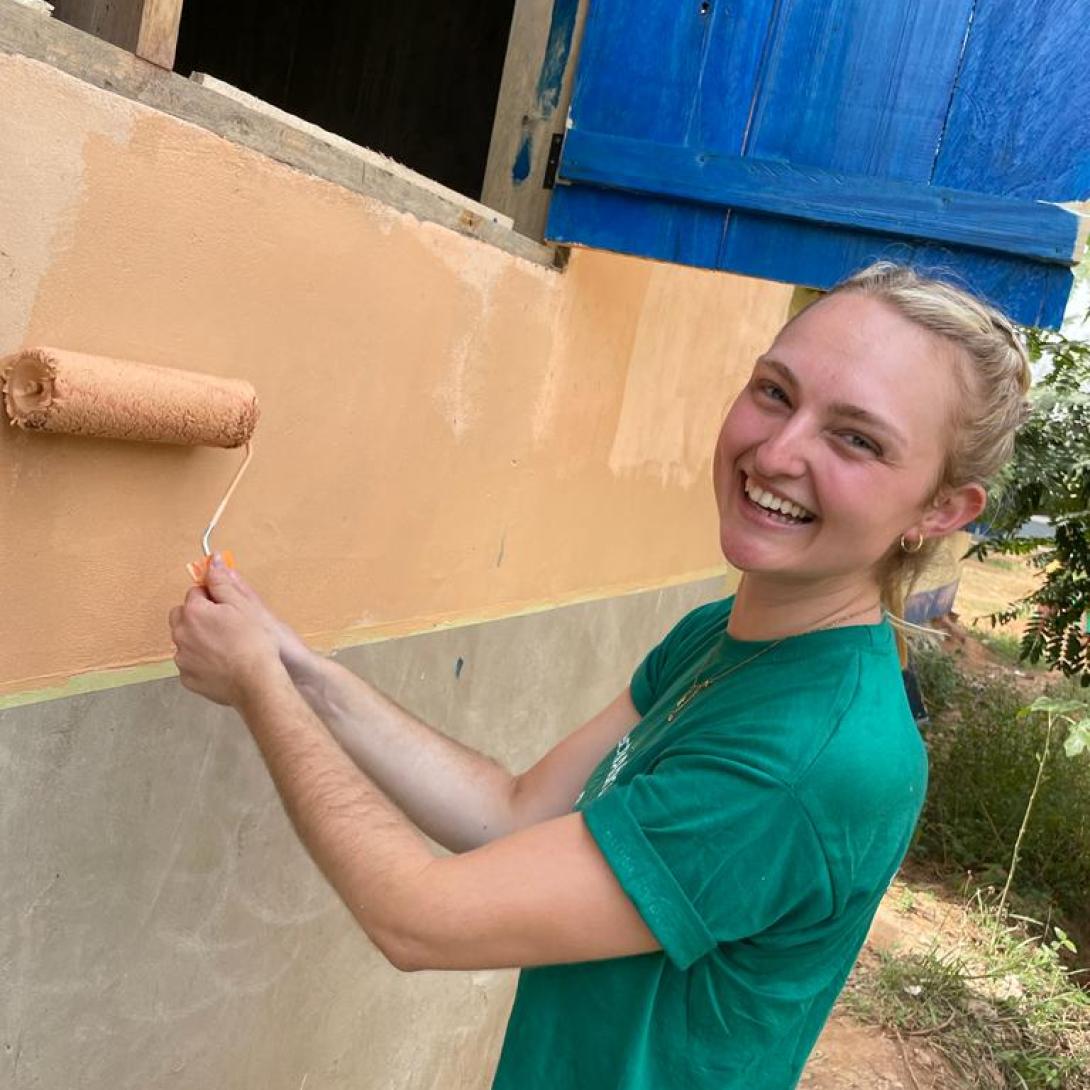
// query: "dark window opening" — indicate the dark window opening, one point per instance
point(415, 80)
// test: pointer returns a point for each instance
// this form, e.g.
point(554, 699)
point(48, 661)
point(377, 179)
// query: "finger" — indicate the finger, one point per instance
point(196, 594)
point(219, 584)
point(174, 618)
point(243, 585)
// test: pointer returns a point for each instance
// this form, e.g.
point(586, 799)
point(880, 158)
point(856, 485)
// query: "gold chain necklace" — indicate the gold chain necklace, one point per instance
point(698, 686)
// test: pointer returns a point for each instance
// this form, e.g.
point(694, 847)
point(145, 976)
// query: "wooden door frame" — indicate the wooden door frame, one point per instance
point(535, 92)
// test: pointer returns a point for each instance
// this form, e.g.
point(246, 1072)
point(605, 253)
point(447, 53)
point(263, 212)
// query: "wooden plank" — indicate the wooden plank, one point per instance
point(911, 210)
point(365, 155)
point(148, 28)
point(115, 21)
point(1028, 291)
point(158, 37)
point(1034, 143)
point(25, 32)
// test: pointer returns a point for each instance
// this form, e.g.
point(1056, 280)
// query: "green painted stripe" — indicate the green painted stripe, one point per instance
point(92, 683)
point(100, 680)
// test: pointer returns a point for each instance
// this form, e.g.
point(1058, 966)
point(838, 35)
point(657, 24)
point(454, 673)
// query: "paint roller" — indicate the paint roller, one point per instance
point(59, 392)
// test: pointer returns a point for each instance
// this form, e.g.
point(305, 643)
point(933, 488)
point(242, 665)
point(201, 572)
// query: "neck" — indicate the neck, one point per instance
point(766, 608)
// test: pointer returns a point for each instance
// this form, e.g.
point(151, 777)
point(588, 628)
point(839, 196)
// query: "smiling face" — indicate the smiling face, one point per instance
point(835, 447)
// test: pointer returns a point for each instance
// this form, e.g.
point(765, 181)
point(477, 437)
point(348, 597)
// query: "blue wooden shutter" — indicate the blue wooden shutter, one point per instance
point(797, 140)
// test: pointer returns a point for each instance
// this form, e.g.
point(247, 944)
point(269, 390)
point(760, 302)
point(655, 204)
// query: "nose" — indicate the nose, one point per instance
point(783, 452)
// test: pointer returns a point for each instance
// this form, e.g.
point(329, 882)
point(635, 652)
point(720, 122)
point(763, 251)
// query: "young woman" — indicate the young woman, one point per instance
point(687, 879)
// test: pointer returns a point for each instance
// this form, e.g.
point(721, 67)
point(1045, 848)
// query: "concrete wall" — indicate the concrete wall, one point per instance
point(452, 434)
point(163, 930)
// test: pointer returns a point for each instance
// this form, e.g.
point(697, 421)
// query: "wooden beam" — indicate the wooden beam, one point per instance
point(148, 28)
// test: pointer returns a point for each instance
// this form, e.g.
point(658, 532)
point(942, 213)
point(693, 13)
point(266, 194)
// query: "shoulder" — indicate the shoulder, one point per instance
point(864, 787)
point(870, 727)
point(787, 707)
point(830, 718)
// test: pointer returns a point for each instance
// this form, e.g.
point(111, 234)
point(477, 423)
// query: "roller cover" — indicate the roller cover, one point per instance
point(53, 390)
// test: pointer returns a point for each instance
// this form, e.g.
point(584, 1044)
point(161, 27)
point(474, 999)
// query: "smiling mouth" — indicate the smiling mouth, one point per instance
point(778, 508)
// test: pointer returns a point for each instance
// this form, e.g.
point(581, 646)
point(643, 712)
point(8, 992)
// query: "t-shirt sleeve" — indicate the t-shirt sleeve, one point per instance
point(710, 850)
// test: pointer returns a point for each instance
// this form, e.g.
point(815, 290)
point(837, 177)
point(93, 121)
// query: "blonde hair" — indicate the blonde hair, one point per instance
point(993, 377)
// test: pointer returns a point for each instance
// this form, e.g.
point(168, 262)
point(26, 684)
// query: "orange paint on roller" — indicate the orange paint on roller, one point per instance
point(60, 392)
point(52, 390)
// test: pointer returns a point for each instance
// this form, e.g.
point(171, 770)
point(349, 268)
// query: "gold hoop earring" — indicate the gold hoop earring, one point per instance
point(905, 548)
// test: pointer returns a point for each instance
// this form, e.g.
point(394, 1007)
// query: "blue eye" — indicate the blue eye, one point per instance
point(861, 442)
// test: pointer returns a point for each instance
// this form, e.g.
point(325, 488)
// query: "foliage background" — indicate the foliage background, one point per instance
point(1050, 475)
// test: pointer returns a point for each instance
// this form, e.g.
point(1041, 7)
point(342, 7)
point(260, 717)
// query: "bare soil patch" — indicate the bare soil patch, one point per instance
point(851, 1056)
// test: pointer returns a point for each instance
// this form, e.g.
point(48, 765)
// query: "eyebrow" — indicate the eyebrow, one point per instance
point(840, 408)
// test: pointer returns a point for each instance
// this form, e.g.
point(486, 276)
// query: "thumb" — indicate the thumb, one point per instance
point(218, 582)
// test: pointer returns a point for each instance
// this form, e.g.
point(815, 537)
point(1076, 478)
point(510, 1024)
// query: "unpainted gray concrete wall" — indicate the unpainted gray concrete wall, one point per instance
point(162, 927)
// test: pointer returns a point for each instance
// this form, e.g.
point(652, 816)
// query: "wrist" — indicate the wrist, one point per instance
point(263, 676)
point(304, 665)
point(310, 675)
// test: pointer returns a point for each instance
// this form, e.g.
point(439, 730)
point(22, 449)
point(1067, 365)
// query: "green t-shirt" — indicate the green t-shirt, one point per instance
point(755, 834)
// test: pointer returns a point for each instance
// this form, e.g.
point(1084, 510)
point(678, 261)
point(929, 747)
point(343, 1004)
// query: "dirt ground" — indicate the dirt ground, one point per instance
point(851, 1056)
point(854, 1057)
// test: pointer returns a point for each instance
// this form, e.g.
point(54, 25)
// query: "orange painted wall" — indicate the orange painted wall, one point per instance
point(448, 433)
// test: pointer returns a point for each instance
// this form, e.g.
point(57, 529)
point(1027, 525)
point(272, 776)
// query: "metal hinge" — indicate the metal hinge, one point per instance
point(553, 162)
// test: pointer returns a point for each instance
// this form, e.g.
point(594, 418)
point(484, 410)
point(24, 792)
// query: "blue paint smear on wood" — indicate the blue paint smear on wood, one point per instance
point(551, 77)
point(521, 169)
point(894, 90)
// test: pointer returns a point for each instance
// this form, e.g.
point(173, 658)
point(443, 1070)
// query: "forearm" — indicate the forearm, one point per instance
point(457, 796)
point(367, 850)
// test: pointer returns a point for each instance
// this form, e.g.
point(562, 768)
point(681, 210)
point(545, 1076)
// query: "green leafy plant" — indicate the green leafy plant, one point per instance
point(1056, 712)
point(1050, 475)
point(989, 762)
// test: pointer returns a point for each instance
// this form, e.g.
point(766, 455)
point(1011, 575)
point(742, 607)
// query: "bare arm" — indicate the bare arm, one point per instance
point(459, 797)
point(538, 896)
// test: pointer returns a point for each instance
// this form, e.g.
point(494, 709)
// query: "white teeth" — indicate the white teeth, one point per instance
point(774, 503)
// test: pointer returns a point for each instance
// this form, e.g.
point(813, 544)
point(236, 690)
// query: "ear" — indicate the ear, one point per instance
point(952, 509)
